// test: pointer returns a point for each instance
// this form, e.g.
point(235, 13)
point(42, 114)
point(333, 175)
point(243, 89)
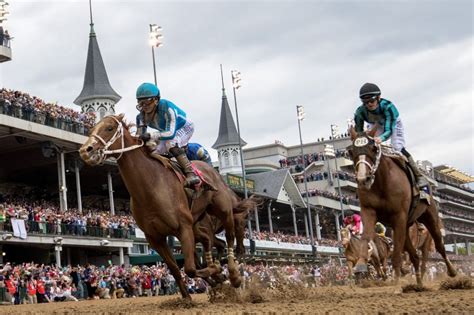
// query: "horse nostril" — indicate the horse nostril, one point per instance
point(89, 149)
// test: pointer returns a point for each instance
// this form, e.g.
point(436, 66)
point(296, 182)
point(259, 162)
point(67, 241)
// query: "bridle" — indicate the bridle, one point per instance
point(372, 167)
point(104, 152)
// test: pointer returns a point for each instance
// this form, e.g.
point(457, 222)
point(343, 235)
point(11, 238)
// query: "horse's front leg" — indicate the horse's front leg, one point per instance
point(186, 238)
point(369, 218)
point(159, 243)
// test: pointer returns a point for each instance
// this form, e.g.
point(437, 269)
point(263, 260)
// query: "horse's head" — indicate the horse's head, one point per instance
point(345, 237)
point(105, 139)
point(366, 155)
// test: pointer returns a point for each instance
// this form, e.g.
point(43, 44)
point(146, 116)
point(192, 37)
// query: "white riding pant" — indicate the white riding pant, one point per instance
point(398, 135)
point(181, 139)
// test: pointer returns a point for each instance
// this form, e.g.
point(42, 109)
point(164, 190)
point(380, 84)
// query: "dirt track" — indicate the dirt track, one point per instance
point(337, 300)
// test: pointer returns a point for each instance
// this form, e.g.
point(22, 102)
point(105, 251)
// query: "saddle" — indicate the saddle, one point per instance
point(172, 165)
point(416, 194)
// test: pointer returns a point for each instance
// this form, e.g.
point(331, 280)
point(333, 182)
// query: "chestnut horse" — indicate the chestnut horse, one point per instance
point(385, 195)
point(207, 227)
point(159, 202)
point(423, 243)
point(379, 257)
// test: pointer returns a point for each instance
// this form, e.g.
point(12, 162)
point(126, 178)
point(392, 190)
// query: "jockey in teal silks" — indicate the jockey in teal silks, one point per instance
point(383, 114)
point(169, 127)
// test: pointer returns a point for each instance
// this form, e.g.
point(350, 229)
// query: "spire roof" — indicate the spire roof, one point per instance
point(96, 81)
point(227, 131)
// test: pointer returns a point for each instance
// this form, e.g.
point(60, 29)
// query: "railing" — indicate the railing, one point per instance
point(38, 228)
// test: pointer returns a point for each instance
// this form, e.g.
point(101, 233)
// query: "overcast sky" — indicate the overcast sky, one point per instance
point(311, 53)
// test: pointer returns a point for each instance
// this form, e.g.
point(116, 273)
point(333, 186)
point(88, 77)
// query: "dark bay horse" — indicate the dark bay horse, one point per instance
point(158, 202)
point(385, 195)
point(378, 256)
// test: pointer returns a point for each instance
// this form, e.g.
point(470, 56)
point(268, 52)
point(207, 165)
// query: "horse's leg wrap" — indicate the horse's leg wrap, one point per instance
point(209, 260)
point(230, 253)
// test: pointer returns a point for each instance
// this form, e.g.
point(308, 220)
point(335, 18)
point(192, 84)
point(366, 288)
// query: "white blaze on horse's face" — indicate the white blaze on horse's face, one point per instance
point(362, 170)
point(89, 150)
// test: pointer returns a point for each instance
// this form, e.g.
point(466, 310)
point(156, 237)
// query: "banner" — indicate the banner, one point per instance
point(19, 228)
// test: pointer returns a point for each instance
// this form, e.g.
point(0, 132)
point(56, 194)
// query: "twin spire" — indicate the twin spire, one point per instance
point(227, 131)
point(96, 82)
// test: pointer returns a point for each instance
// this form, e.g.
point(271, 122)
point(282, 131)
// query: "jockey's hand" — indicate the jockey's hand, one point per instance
point(377, 140)
point(145, 137)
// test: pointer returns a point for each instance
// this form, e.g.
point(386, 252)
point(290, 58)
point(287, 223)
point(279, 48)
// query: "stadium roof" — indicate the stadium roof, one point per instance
point(96, 81)
point(454, 173)
point(278, 185)
point(227, 131)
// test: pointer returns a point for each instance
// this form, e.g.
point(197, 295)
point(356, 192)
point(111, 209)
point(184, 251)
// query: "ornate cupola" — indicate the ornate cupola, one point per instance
point(227, 143)
point(97, 95)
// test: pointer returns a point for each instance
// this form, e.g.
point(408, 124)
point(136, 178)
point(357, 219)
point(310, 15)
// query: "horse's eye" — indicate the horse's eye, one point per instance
point(110, 129)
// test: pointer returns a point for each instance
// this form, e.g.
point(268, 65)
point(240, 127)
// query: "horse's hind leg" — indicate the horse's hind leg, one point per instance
point(431, 220)
point(222, 208)
point(415, 260)
point(165, 252)
point(425, 251)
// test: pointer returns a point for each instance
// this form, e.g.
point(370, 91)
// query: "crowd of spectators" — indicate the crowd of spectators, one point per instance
point(31, 283)
point(42, 217)
point(45, 217)
point(460, 186)
point(461, 227)
point(39, 283)
point(296, 164)
point(280, 237)
point(348, 200)
point(454, 199)
point(4, 37)
point(317, 176)
point(21, 105)
point(465, 214)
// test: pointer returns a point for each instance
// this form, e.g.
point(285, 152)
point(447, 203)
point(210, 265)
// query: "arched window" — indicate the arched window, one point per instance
point(102, 113)
point(235, 157)
point(226, 160)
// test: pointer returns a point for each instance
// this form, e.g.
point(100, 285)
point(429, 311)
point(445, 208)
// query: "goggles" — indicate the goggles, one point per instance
point(369, 100)
point(145, 102)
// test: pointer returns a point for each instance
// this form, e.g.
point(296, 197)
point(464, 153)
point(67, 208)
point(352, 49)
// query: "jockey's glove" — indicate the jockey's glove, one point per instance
point(145, 137)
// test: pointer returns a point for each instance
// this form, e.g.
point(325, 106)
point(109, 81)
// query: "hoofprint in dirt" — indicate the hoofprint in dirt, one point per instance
point(338, 299)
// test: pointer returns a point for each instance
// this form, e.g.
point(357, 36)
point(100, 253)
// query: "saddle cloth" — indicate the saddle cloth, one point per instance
point(178, 171)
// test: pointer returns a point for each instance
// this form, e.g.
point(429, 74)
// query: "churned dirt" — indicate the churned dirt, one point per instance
point(385, 299)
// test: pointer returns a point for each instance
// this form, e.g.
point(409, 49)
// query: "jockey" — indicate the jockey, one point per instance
point(169, 127)
point(383, 113)
point(353, 222)
point(380, 229)
point(195, 151)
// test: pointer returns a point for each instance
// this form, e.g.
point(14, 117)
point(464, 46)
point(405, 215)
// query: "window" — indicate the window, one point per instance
point(235, 157)
point(226, 159)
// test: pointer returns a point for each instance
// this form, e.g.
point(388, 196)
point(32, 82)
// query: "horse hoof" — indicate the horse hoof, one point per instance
point(236, 282)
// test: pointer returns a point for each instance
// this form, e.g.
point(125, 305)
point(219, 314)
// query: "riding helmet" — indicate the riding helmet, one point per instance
point(369, 89)
point(147, 90)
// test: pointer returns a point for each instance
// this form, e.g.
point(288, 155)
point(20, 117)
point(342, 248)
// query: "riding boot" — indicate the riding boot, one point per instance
point(421, 182)
point(183, 161)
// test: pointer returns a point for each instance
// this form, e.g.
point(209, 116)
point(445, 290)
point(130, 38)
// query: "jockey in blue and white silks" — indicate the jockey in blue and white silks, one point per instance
point(383, 114)
point(195, 151)
point(169, 127)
